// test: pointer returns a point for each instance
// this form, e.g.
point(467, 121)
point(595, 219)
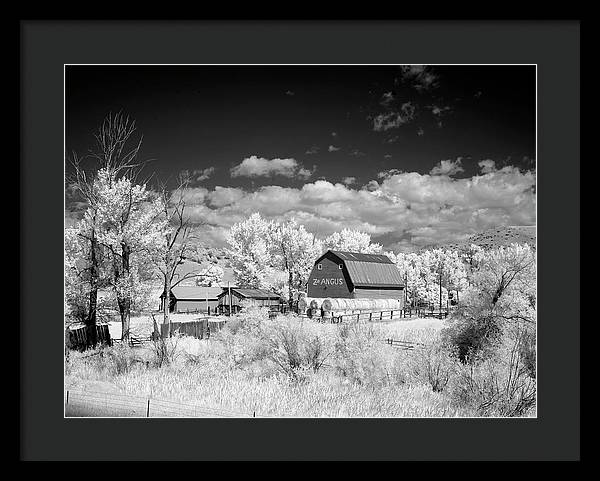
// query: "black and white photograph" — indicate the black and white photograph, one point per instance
point(300, 241)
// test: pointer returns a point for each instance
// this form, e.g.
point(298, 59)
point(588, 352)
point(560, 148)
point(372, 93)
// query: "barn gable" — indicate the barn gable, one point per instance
point(352, 274)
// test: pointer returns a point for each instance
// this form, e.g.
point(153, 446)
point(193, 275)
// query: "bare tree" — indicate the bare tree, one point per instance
point(177, 241)
point(113, 153)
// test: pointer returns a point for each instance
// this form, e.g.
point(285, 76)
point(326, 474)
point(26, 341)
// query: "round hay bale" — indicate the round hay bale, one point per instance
point(314, 304)
point(302, 305)
point(327, 305)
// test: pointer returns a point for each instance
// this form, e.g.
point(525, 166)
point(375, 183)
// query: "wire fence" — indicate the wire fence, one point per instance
point(102, 404)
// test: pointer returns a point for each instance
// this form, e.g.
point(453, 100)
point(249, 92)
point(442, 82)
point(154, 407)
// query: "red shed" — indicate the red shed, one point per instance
point(353, 275)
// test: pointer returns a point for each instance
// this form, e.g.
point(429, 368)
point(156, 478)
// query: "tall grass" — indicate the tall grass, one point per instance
point(292, 367)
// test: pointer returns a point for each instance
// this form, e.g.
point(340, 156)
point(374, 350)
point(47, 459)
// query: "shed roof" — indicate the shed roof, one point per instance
point(195, 292)
point(252, 293)
point(369, 270)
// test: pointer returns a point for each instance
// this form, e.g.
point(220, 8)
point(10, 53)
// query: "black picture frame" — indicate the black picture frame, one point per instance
point(45, 46)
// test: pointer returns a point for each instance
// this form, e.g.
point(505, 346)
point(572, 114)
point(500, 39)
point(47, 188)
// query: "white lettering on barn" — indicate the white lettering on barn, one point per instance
point(329, 282)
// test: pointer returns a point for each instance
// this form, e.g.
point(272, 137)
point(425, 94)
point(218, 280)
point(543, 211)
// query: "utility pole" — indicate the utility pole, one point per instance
point(440, 290)
point(229, 295)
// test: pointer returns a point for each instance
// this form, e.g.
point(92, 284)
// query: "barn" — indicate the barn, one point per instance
point(352, 275)
point(254, 297)
point(193, 299)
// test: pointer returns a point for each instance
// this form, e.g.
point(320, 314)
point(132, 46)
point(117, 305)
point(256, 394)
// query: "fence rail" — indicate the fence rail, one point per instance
point(377, 316)
point(406, 345)
point(79, 403)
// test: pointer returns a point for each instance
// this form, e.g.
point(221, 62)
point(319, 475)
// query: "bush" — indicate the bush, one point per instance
point(500, 385)
point(434, 364)
point(472, 334)
point(363, 359)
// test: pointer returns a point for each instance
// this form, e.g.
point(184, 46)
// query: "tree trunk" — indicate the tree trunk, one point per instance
point(93, 300)
point(125, 301)
point(125, 313)
point(290, 298)
point(167, 304)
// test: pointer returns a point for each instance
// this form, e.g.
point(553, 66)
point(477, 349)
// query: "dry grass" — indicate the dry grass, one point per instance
point(235, 371)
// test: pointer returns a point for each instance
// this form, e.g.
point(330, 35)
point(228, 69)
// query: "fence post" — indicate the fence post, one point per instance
point(67, 396)
point(254, 414)
point(148, 409)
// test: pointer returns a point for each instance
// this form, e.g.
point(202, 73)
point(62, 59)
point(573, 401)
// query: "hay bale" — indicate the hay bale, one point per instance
point(326, 305)
point(314, 304)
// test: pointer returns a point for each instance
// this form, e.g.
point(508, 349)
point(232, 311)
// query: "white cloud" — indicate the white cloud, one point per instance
point(290, 93)
point(255, 166)
point(393, 120)
point(387, 99)
point(439, 111)
point(487, 166)
point(313, 150)
point(388, 173)
point(448, 167)
point(405, 209)
point(420, 77)
point(357, 153)
point(332, 148)
point(204, 174)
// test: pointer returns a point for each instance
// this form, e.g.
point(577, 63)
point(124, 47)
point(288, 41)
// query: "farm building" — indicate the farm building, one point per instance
point(254, 297)
point(351, 275)
point(193, 299)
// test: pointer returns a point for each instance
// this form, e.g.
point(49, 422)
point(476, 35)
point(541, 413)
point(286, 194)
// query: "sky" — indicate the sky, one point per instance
point(414, 155)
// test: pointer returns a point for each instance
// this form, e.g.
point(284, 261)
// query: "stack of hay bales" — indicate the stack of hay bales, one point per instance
point(339, 306)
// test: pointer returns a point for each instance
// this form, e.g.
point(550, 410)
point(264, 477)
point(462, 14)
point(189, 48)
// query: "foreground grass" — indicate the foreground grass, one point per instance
point(205, 373)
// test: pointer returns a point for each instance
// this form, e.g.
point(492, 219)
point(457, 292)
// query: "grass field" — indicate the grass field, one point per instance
point(206, 372)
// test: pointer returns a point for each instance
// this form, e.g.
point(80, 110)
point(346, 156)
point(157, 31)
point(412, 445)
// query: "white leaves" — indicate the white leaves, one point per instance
point(351, 241)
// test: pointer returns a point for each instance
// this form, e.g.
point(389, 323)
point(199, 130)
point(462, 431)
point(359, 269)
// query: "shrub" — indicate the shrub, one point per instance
point(434, 364)
point(500, 385)
point(472, 334)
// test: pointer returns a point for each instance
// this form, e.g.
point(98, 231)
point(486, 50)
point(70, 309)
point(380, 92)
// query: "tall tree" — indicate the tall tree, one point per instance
point(294, 251)
point(351, 241)
point(110, 153)
point(129, 226)
point(175, 245)
point(250, 252)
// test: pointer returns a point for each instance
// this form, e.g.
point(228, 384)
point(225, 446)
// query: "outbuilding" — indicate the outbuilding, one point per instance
point(193, 299)
point(247, 297)
point(353, 275)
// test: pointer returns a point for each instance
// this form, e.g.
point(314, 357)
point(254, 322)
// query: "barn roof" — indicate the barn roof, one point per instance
point(195, 292)
point(369, 270)
point(360, 257)
point(253, 293)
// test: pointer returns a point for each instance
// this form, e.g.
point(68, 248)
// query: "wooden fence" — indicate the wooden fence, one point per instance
point(405, 345)
point(79, 338)
point(377, 316)
point(200, 328)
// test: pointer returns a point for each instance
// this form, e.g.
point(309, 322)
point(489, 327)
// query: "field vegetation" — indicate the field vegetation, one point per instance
point(290, 367)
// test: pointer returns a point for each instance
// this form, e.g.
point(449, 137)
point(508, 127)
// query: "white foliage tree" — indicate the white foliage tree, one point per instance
point(130, 229)
point(294, 252)
point(351, 241)
point(250, 252)
point(210, 275)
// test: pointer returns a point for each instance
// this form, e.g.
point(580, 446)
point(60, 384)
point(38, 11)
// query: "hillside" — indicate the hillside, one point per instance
point(499, 236)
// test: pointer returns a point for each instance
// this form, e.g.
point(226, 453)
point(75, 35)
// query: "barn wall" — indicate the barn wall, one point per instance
point(224, 300)
point(195, 305)
point(331, 281)
point(363, 293)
